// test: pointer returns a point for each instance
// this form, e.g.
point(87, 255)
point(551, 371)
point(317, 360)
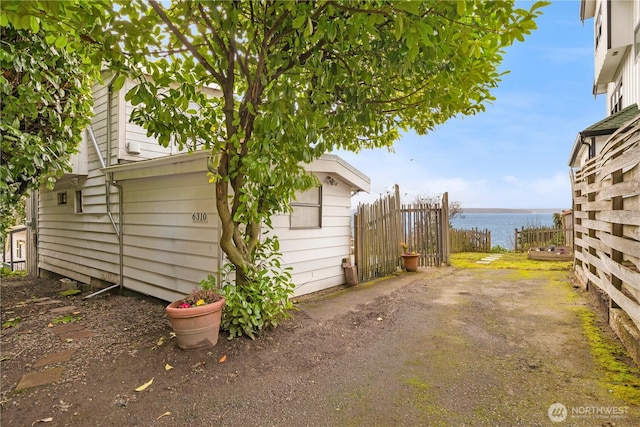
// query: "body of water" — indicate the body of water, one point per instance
point(502, 225)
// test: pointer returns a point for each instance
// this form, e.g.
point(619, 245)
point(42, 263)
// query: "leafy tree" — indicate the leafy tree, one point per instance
point(49, 62)
point(299, 79)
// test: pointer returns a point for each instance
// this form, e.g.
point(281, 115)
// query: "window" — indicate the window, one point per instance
point(598, 28)
point(307, 209)
point(62, 198)
point(20, 245)
point(616, 97)
point(78, 202)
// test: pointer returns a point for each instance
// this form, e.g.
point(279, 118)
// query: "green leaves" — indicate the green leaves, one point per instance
point(46, 105)
point(269, 90)
point(264, 300)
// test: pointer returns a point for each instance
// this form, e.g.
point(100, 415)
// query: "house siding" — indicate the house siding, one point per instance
point(629, 69)
point(135, 134)
point(83, 245)
point(316, 254)
point(166, 252)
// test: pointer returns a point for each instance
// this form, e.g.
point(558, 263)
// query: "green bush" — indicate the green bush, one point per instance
point(497, 249)
point(5, 272)
point(262, 303)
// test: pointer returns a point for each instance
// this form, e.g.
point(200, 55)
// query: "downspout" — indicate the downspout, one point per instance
point(592, 145)
point(108, 183)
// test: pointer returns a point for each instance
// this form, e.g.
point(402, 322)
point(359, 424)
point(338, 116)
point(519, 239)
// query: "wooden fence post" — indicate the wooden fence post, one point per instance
point(444, 221)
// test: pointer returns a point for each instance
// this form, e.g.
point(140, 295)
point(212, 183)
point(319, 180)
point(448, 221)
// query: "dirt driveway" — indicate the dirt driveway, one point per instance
point(439, 347)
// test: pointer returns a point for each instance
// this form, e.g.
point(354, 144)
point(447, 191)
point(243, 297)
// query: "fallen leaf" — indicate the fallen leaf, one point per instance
point(379, 319)
point(172, 334)
point(50, 325)
point(164, 415)
point(168, 367)
point(69, 340)
point(223, 359)
point(44, 420)
point(145, 385)
point(160, 341)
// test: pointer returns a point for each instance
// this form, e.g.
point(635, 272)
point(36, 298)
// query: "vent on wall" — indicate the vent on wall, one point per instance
point(133, 147)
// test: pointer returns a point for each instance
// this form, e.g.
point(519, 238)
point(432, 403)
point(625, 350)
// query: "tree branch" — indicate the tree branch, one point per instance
point(160, 11)
point(214, 33)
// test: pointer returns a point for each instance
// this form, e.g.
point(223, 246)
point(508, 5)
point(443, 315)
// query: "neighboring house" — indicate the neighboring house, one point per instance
point(605, 163)
point(616, 69)
point(137, 213)
point(14, 253)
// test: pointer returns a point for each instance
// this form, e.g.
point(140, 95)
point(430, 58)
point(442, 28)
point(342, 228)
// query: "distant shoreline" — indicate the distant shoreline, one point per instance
point(506, 210)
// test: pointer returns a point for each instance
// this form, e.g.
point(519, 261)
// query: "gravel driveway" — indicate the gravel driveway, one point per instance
point(439, 347)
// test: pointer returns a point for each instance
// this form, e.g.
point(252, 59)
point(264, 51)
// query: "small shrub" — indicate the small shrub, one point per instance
point(497, 249)
point(5, 272)
point(264, 301)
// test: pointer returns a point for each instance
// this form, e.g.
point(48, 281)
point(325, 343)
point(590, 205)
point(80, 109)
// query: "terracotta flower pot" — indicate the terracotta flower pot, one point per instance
point(411, 261)
point(196, 327)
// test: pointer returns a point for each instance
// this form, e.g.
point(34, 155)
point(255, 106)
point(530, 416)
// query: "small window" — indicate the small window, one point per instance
point(62, 198)
point(20, 245)
point(598, 28)
point(307, 209)
point(616, 97)
point(78, 202)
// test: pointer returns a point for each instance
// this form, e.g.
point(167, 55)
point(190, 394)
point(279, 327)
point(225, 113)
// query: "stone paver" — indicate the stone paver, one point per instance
point(64, 309)
point(35, 379)
point(65, 329)
point(50, 359)
point(49, 302)
point(73, 331)
point(489, 259)
point(76, 335)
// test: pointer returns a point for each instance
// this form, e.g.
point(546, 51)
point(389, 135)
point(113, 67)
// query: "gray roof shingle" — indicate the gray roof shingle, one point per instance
point(611, 123)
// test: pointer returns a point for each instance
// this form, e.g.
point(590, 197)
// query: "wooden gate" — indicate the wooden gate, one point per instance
point(381, 227)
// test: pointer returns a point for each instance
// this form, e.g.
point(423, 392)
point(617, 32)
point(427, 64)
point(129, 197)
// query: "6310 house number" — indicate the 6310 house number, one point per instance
point(199, 217)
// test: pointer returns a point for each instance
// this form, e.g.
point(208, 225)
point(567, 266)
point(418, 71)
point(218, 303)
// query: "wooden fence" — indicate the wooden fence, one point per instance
point(380, 228)
point(606, 198)
point(527, 238)
point(470, 240)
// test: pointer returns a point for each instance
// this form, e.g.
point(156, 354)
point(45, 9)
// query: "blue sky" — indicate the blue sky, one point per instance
point(515, 154)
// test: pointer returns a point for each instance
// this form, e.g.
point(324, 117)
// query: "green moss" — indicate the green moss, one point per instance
point(424, 401)
point(622, 379)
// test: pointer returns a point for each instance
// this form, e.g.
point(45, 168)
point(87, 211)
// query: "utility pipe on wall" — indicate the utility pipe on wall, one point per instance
point(108, 183)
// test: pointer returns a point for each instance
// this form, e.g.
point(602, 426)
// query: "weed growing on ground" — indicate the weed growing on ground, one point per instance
point(620, 378)
point(510, 260)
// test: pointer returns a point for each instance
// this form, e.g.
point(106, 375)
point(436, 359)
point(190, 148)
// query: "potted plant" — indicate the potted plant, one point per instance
point(409, 258)
point(195, 319)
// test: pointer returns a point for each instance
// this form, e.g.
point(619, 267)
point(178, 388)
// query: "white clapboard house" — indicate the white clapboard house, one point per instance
point(137, 214)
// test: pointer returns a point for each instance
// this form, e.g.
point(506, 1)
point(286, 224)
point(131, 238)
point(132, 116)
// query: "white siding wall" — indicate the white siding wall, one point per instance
point(135, 134)
point(166, 252)
point(601, 50)
point(82, 245)
point(629, 70)
point(316, 254)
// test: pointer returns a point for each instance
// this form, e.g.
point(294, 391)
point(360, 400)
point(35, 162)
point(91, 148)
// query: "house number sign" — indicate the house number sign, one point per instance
point(199, 217)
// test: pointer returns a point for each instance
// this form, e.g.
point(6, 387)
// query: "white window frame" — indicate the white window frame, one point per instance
point(303, 202)
point(616, 97)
